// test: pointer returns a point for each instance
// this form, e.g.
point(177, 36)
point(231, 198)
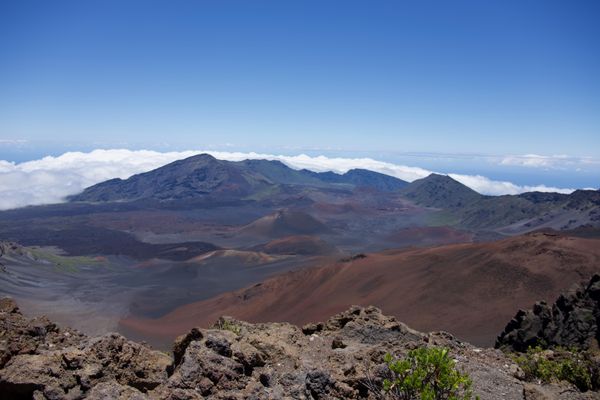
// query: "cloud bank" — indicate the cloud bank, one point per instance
point(560, 161)
point(51, 179)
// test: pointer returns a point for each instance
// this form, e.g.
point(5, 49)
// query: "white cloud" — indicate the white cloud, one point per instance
point(337, 164)
point(558, 161)
point(487, 186)
point(11, 142)
point(51, 179)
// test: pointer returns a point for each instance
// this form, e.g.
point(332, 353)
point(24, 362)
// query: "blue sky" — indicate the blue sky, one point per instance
point(383, 79)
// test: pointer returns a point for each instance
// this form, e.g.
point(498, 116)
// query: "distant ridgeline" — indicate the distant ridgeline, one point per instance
point(203, 176)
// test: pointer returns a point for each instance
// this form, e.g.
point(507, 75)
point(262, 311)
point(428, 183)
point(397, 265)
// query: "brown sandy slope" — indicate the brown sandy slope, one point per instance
point(423, 236)
point(470, 290)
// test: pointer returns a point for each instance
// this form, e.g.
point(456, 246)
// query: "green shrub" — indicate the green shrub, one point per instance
point(576, 367)
point(426, 374)
point(227, 325)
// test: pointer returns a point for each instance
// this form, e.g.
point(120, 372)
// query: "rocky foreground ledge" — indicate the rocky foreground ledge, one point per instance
point(338, 359)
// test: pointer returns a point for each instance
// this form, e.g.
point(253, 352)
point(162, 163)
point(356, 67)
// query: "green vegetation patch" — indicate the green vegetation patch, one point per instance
point(580, 368)
point(66, 263)
point(427, 373)
point(442, 218)
point(227, 325)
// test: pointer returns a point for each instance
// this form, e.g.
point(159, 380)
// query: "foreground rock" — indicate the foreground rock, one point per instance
point(338, 359)
point(573, 321)
point(41, 361)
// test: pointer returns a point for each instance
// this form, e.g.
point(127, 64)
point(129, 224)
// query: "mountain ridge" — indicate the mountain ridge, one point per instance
point(203, 175)
point(440, 191)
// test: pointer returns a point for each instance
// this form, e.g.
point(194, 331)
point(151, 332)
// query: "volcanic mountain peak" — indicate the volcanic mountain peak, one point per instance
point(198, 159)
point(197, 175)
point(441, 181)
point(285, 223)
point(440, 191)
point(204, 175)
point(182, 168)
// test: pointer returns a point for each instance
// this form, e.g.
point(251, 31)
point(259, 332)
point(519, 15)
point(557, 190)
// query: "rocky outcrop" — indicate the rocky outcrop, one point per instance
point(341, 358)
point(39, 360)
point(573, 321)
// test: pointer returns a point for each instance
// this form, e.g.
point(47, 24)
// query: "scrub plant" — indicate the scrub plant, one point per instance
point(426, 373)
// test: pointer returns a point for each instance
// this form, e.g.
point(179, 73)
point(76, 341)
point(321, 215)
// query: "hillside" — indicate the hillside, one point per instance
point(203, 181)
point(509, 214)
point(529, 211)
point(360, 178)
point(440, 191)
point(466, 289)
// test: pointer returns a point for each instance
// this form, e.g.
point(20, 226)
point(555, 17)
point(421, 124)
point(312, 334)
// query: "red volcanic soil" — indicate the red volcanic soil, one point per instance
point(429, 235)
point(284, 223)
point(299, 244)
point(470, 290)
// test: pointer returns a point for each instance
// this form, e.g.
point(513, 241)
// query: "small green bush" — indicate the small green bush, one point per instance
point(575, 367)
point(426, 374)
point(226, 325)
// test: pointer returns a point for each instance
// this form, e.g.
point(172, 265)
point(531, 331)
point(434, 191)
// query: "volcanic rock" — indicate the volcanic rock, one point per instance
point(338, 359)
point(573, 321)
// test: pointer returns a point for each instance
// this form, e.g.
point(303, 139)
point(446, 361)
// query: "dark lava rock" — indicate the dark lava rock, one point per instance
point(318, 384)
point(338, 343)
point(182, 342)
point(219, 345)
point(573, 321)
point(311, 328)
